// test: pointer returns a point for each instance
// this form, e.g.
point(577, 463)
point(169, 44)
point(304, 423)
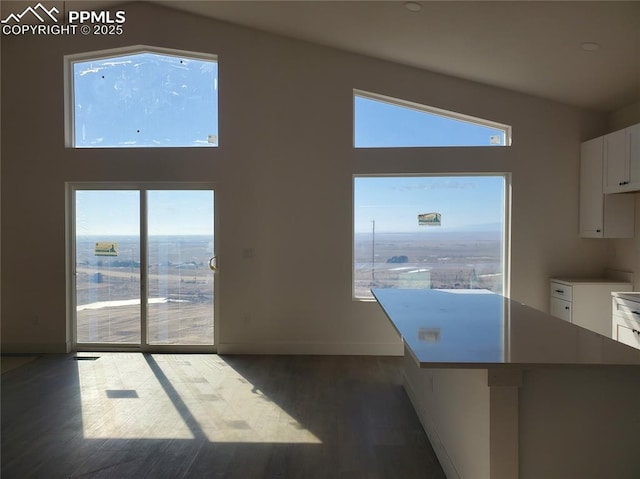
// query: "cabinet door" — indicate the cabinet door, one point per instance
point(601, 216)
point(591, 198)
point(628, 336)
point(615, 165)
point(560, 309)
point(633, 156)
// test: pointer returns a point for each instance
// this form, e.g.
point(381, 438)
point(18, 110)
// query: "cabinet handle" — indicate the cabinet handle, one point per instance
point(635, 312)
point(567, 308)
point(559, 291)
point(598, 231)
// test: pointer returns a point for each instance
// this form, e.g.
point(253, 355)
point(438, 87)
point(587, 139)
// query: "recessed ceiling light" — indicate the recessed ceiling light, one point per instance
point(413, 6)
point(590, 46)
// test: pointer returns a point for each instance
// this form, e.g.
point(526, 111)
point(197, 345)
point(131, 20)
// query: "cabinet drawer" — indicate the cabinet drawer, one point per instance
point(628, 336)
point(560, 309)
point(561, 291)
point(626, 309)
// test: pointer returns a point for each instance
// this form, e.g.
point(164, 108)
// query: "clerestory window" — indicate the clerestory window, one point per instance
point(141, 97)
point(385, 122)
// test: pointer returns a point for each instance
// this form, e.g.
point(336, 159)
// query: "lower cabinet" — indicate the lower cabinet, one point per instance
point(626, 320)
point(585, 302)
point(560, 308)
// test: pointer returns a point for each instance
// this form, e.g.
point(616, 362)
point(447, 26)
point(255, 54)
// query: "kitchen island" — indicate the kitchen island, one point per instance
point(506, 391)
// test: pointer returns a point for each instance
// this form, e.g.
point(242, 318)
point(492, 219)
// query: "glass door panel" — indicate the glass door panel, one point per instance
point(180, 282)
point(107, 280)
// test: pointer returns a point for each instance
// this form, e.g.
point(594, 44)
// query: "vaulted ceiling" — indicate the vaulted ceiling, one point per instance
point(533, 47)
point(527, 46)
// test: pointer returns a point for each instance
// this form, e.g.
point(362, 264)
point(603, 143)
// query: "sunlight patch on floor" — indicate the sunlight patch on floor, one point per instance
point(165, 396)
point(150, 415)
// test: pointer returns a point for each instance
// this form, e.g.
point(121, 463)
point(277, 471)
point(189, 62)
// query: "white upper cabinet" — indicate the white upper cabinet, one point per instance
point(601, 216)
point(622, 160)
point(633, 144)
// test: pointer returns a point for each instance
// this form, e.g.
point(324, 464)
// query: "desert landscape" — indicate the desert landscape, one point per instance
point(455, 260)
point(180, 290)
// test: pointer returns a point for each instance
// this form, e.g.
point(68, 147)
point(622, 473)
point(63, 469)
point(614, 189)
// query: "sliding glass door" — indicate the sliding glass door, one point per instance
point(144, 266)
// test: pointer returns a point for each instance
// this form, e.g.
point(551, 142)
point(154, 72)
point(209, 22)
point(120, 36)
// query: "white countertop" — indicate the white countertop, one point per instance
point(477, 328)
point(571, 281)
point(631, 296)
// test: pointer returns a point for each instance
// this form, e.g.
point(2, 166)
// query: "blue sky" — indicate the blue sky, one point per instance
point(117, 212)
point(146, 99)
point(381, 124)
point(180, 212)
point(394, 203)
point(107, 213)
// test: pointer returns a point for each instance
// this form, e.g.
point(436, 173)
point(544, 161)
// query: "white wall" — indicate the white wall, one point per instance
point(284, 177)
point(623, 117)
point(624, 254)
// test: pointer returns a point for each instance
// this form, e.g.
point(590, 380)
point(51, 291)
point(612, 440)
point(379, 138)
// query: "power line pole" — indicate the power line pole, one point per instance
point(373, 252)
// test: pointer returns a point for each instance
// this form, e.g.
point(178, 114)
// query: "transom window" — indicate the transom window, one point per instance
point(381, 121)
point(142, 97)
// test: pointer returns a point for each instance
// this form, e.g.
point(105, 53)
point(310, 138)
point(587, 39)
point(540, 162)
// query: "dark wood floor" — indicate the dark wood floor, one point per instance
point(130, 415)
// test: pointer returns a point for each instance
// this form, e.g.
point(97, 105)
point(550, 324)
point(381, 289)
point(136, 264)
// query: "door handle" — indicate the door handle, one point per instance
point(213, 263)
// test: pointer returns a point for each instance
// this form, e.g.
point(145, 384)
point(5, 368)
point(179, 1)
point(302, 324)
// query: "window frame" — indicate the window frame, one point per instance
point(69, 87)
point(433, 111)
point(506, 239)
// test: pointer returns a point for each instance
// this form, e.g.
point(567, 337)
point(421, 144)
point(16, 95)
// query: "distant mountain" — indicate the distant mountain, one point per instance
point(480, 227)
point(490, 228)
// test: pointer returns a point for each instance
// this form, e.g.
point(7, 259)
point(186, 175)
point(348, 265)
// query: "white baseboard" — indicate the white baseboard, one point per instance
point(35, 348)
point(329, 349)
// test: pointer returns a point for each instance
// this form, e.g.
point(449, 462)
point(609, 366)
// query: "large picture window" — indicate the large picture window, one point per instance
point(440, 232)
point(142, 97)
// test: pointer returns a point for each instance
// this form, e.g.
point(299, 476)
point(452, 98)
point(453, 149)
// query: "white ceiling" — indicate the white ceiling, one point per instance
point(527, 46)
